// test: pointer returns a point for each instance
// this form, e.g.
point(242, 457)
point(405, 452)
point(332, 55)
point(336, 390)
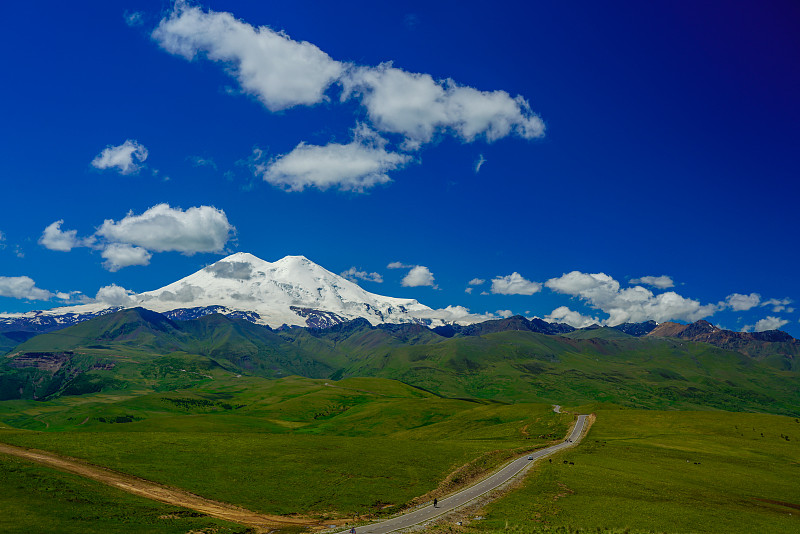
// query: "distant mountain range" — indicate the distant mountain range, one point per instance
point(296, 292)
point(505, 359)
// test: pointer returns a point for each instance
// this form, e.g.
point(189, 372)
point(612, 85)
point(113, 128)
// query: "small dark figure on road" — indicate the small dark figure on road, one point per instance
point(353, 530)
point(435, 502)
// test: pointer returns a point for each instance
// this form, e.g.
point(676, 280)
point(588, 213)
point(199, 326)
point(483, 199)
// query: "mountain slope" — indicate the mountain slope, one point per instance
point(292, 291)
point(142, 350)
point(772, 346)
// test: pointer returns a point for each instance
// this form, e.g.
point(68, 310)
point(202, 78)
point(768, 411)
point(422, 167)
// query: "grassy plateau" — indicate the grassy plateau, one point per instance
point(357, 447)
point(650, 471)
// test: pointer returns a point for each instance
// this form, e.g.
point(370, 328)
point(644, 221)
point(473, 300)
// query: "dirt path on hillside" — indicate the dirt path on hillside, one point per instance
point(157, 492)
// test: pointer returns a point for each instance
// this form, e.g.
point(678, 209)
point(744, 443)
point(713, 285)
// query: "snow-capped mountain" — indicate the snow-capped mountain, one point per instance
point(291, 291)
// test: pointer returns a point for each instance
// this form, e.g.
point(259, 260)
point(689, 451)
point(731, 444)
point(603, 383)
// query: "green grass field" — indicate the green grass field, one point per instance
point(295, 445)
point(369, 446)
point(641, 471)
point(39, 499)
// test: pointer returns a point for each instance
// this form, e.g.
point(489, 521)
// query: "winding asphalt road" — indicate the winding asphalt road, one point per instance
point(467, 495)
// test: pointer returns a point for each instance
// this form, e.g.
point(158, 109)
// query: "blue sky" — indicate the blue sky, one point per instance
point(636, 161)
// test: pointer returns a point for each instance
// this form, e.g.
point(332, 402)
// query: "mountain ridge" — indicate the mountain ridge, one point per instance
point(137, 348)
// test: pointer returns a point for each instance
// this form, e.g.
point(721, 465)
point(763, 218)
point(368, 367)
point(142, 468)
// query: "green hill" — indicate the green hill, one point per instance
point(139, 350)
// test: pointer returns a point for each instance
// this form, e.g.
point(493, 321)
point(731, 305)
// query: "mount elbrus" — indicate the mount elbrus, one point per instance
point(292, 291)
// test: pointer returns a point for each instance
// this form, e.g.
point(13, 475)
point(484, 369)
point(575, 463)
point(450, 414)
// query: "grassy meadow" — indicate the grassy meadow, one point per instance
point(359, 446)
point(650, 471)
point(35, 498)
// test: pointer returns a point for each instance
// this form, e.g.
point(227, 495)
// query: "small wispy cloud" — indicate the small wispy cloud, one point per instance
point(479, 163)
point(126, 158)
point(660, 282)
point(353, 274)
point(133, 18)
point(199, 161)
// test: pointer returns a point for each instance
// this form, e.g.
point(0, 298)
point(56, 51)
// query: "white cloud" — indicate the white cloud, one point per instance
point(115, 295)
point(282, 73)
point(504, 313)
point(356, 166)
point(474, 282)
point(398, 265)
point(417, 107)
point(354, 274)
point(779, 305)
point(633, 304)
point(54, 238)
point(133, 19)
point(199, 161)
point(562, 314)
point(22, 287)
point(479, 163)
point(162, 228)
point(768, 323)
point(457, 314)
point(739, 302)
point(119, 255)
point(419, 275)
point(279, 71)
point(127, 157)
point(514, 284)
point(73, 297)
point(660, 282)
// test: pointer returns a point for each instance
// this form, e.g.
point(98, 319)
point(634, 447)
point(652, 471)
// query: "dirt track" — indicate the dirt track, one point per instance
point(157, 492)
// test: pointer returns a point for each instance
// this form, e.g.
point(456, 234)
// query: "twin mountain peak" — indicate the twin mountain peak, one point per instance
point(295, 291)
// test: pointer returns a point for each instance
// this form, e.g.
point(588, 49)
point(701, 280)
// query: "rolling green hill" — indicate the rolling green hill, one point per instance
point(139, 350)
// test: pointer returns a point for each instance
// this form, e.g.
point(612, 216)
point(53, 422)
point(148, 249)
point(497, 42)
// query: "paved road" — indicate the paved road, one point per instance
point(461, 498)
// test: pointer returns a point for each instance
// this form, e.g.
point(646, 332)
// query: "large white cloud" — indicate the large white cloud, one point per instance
point(119, 255)
point(356, 166)
point(514, 284)
point(770, 322)
point(114, 295)
point(632, 304)
point(279, 71)
point(162, 228)
point(282, 73)
point(739, 302)
point(562, 314)
point(126, 158)
point(417, 107)
point(54, 238)
point(22, 287)
point(660, 282)
point(419, 275)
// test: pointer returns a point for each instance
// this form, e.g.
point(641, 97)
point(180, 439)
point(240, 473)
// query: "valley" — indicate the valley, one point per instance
point(359, 419)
